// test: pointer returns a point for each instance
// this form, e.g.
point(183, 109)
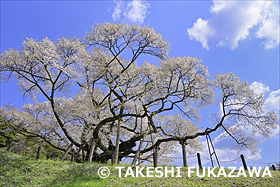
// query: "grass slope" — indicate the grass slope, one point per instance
point(16, 170)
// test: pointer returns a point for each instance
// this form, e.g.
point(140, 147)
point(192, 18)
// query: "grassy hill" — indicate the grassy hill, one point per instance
point(16, 170)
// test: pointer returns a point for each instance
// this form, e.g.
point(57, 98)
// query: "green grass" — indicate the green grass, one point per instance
point(16, 170)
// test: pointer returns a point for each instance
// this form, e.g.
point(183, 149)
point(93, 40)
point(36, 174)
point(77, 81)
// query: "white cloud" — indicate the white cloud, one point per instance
point(118, 10)
point(273, 101)
point(259, 88)
point(134, 11)
point(269, 29)
point(201, 32)
point(137, 10)
point(232, 21)
point(275, 132)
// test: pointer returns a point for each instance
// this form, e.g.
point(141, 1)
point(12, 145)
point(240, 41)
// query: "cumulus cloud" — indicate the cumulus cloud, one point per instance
point(118, 10)
point(232, 21)
point(201, 31)
point(137, 10)
point(134, 11)
point(269, 29)
point(273, 101)
point(259, 88)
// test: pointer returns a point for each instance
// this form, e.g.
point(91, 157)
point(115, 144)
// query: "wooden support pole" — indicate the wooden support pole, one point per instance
point(113, 156)
point(116, 153)
point(92, 146)
point(137, 154)
point(72, 155)
point(83, 155)
point(66, 152)
point(273, 167)
point(184, 153)
point(38, 153)
point(155, 156)
point(78, 154)
point(243, 161)
point(10, 145)
point(199, 160)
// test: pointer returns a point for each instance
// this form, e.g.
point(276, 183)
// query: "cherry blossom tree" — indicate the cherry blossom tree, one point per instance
point(105, 100)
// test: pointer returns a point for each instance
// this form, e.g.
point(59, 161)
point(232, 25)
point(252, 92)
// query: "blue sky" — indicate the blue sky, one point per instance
point(238, 36)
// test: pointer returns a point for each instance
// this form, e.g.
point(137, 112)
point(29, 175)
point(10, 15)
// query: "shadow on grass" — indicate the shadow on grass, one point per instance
point(79, 175)
point(13, 167)
point(17, 170)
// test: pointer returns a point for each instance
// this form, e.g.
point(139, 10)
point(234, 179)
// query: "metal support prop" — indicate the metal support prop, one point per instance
point(208, 139)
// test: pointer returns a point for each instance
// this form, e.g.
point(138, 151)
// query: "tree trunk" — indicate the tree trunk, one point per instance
point(66, 152)
point(92, 146)
point(137, 154)
point(184, 153)
point(113, 156)
point(72, 155)
point(10, 145)
point(83, 155)
point(38, 153)
point(78, 154)
point(116, 154)
point(155, 156)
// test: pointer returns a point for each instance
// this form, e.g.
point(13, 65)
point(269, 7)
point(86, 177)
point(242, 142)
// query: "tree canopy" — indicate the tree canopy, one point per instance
point(99, 89)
